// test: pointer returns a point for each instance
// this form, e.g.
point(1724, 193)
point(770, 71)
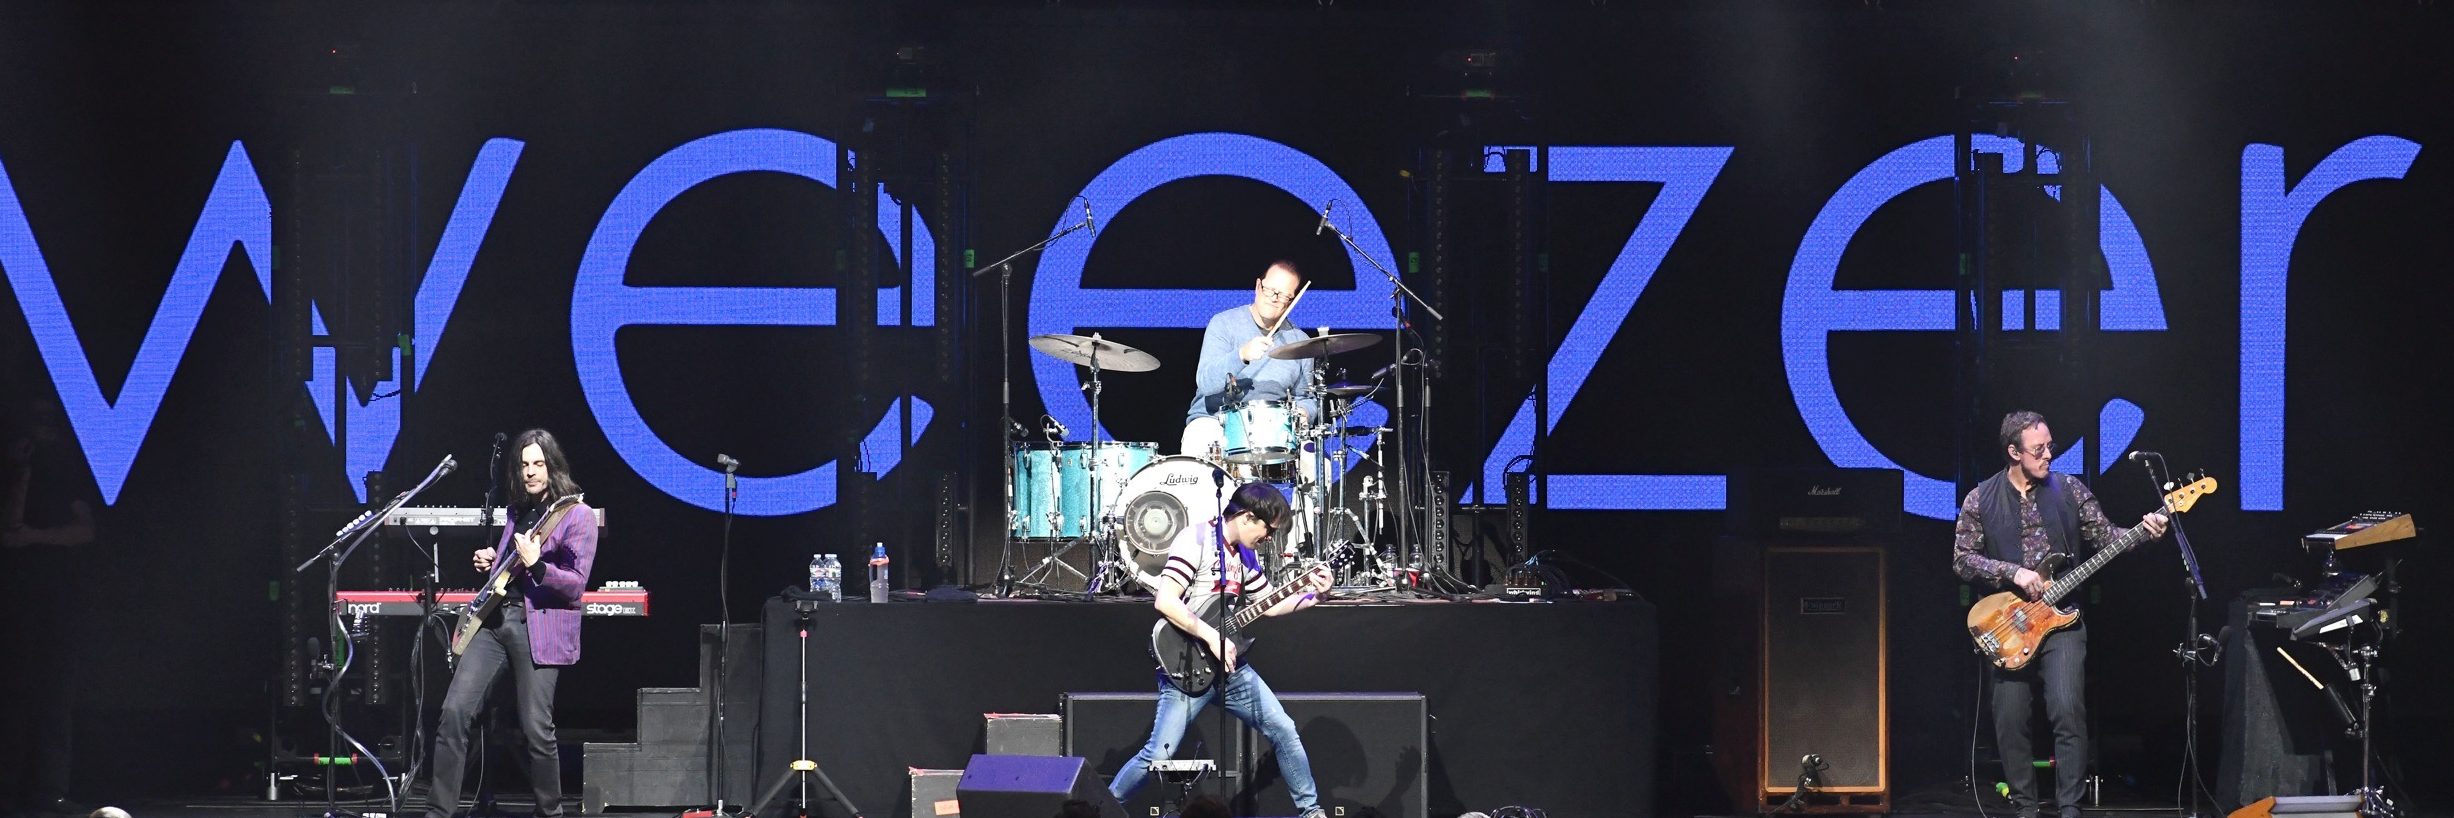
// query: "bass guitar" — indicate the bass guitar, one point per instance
point(2009, 629)
point(1187, 662)
point(498, 582)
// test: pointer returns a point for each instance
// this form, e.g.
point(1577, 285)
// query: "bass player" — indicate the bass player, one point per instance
point(2008, 527)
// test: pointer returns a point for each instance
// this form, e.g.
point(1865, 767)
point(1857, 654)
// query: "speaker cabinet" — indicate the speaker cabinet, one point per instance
point(1369, 756)
point(1029, 787)
point(1803, 673)
point(1107, 729)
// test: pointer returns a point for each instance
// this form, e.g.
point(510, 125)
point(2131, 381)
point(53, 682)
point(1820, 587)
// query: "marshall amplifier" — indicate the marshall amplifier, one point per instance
point(1797, 503)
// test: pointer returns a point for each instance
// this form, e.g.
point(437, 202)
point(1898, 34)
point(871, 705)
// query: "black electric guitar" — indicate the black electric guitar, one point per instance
point(498, 582)
point(1187, 662)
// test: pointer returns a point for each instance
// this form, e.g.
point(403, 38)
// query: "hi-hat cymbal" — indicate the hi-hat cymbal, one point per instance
point(1349, 390)
point(1324, 345)
point(1078, 349)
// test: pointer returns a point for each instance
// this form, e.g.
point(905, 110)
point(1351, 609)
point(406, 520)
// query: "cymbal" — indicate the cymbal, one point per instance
point(1324, 345)
point(1349, 390)
point(1077, 349)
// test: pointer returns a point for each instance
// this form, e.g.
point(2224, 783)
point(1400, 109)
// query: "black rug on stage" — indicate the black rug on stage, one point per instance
point(1548, 705)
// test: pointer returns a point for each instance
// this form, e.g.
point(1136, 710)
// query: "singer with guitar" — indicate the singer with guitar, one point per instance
point(1212, 571)
point(2009, 527)
point(529, 629)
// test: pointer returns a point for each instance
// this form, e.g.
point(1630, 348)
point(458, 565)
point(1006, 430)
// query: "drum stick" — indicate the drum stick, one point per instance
point(1282, 317)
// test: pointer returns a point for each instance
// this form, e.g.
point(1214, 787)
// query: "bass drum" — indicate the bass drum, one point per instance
point(1164, 498)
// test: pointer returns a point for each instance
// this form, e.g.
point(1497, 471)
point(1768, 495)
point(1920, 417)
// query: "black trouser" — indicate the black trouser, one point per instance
point(2061, 667)
point(499, 647)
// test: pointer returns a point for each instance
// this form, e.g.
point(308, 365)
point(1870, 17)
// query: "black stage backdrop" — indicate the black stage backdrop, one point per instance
point(122, 117)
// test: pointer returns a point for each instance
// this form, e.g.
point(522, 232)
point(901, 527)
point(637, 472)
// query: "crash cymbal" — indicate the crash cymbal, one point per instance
point(1078, 349)
point(1324, 345)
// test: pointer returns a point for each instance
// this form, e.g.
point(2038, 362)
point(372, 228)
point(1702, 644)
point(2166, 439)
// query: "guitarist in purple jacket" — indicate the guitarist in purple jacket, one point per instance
point(1208, 567)
point(2009, 527)
point(534, 634)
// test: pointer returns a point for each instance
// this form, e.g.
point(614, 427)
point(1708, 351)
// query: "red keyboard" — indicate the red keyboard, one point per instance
point(628, 602)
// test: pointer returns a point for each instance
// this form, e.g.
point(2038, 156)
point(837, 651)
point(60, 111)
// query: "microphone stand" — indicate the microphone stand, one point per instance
point(724, 636)
point(2195, 650)
point(1399, 294)
point(345, 543)
point(1005, 388)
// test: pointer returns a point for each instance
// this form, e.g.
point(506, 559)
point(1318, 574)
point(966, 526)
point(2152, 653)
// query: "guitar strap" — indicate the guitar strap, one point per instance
point(546, 527)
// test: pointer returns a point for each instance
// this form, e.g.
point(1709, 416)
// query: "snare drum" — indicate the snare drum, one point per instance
point(1114, 463)
point(1036, 484)
point(1259, 431)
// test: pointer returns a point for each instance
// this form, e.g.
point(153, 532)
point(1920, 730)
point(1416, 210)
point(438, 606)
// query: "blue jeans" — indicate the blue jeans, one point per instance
point(1249, 699)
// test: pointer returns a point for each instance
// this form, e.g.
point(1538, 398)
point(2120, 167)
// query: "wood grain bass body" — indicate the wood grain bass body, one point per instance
point(2009, 629)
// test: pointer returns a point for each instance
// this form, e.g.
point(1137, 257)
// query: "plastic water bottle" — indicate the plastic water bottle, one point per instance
point(826, 577)
point(878, 581)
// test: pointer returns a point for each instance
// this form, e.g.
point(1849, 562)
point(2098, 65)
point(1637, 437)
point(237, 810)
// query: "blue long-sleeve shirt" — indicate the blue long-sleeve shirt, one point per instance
point(1264, 378)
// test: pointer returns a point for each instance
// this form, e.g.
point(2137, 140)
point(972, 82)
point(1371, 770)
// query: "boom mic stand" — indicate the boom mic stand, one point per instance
point(1005, 385)
point(1399, 294)
point(2196, 650)
point(345, 543)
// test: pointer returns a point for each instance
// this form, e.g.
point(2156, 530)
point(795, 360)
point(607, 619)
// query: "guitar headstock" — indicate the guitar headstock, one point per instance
point(2181, 499)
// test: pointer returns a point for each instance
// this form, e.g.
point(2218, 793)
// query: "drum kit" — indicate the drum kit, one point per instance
point(1125, 504)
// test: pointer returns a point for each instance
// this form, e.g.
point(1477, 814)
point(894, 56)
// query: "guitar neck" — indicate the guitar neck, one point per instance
point(1253, 611)
point(2130, 538)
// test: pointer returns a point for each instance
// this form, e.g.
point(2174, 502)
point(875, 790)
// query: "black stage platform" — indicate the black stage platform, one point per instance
point(1548, 704)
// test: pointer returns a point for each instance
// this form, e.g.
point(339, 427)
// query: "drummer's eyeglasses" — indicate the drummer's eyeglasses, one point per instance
point(1273, 293)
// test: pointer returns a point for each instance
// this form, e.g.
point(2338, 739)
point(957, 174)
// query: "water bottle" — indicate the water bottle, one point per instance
point(835, 578)
point(826, 577)
point(878, 581)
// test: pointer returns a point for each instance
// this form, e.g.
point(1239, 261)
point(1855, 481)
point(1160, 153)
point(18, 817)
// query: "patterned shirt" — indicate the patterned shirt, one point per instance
point(1193, 559)
point(1968, 554)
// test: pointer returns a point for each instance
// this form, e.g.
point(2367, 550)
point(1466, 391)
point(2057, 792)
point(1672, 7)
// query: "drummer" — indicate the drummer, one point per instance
point(1235, 362)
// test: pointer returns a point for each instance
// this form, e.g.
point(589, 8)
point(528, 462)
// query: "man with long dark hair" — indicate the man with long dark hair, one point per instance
point(1208, 567)
point(535, 634)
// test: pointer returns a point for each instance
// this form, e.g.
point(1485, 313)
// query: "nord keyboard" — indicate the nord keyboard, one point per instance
point(2365, 528)
point(603, 602)
point(454, 517)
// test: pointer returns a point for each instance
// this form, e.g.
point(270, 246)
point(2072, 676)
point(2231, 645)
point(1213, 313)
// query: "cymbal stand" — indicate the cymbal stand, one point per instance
point(1330, 503)
point(1007, 428)
point(1096, 519)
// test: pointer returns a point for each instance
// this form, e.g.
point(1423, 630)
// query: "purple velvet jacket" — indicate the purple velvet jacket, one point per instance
point(551, 588)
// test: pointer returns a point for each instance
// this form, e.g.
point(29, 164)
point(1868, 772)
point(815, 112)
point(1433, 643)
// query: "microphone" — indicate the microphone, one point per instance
point(1055, 428)
point(1382, 372)
point(2141, 456)
point(1087, 223)
point(1316, 229)
point(730, 465)
point(449, 463)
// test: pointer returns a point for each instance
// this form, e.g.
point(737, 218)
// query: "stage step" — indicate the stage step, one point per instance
point(667, 765)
